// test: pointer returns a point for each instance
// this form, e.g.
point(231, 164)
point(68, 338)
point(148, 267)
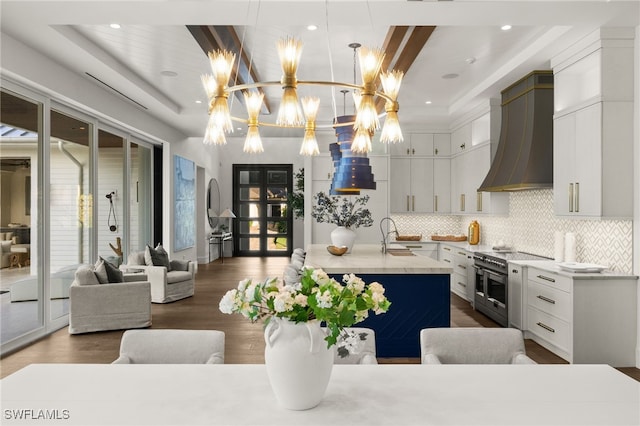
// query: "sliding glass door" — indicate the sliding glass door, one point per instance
point(263, 225)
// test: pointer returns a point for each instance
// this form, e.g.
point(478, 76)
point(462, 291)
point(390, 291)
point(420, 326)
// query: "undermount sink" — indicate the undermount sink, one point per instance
point(395, 252)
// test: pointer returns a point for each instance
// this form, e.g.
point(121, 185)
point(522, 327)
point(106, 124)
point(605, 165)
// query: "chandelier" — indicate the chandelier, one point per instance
point(290, 114)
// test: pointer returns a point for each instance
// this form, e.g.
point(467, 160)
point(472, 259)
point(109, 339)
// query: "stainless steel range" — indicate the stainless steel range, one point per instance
point(491, 282)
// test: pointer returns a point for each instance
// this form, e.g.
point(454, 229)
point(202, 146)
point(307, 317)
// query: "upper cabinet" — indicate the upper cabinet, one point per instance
point(422, 145)
point(593, 127)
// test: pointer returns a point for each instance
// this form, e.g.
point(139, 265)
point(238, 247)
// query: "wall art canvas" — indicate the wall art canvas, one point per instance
point(184, 188)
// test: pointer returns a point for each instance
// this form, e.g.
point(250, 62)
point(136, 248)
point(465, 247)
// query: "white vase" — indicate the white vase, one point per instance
point(298, 362)
point(342, 236)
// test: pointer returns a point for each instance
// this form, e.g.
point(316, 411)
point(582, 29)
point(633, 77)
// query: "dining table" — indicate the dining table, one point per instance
point(382, 394)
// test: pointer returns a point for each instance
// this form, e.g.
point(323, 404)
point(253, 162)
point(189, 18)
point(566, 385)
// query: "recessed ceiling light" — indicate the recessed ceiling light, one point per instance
point(428, 102)
point(450, 76)
point(167, 73)
point(312, 27)
point(198, 101)
point(115, 26)
point(505, 27)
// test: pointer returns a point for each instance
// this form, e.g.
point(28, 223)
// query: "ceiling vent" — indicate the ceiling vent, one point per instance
point(524, 158)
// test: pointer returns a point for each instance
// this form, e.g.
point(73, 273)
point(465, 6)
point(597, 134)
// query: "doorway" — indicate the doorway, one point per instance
point(263, 224)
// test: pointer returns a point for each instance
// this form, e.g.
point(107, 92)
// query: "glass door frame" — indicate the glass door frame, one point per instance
point(264, 218)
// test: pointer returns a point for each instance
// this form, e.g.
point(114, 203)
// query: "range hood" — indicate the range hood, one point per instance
point(524, 158)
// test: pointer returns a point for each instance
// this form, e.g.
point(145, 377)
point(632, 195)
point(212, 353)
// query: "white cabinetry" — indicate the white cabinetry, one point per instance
point(420, 144)
point(586, 318)
point(468, 170)
point(461, 261)
point(593, 126)
point(412, 185)
point(592, 166)
point(420, 178)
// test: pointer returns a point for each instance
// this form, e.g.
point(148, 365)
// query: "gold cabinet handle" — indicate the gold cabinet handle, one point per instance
point(413, 203)
point(542, 277)
point(447, 260)
point(446, 248)
point(546, 299)
point(479, 201)
point(436, 151)
point(577, 197)
point(435, 202)
point(545, 326)
point(461, 202)
point(328, 175)
point(408, 151)
point(407, 203)
point(462, 284)
point(570, 198)
point(413, 151)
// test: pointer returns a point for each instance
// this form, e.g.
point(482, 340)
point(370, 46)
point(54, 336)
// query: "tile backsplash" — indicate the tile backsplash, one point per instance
point(531, 226)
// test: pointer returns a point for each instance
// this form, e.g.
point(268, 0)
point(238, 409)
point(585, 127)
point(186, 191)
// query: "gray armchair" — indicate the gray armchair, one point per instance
point(473, 346)
point(171, 347)
point(168, 284)
point(115, 306)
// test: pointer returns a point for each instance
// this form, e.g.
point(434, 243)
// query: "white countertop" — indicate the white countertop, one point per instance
point(552, 266)
point(400, 394)
point(369, 259)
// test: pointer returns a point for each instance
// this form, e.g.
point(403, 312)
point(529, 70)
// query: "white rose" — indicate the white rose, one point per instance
point(242, 285)
point(228, 302)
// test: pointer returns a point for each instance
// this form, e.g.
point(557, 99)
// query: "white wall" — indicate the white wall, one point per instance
point(206, 159)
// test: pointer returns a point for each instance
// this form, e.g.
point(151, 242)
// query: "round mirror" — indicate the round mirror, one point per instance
point(213, 203)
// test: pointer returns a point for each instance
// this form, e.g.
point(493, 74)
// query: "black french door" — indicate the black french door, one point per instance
point(263, 224)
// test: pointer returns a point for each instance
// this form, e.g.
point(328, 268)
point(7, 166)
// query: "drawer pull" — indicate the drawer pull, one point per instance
point(546, 299)
point(415, 247)
point(545, 326)
point(462, 253)
point(446, 248)
point(462, 284)
point(462, 266)
point(542, 277)
point(514, 271)
point(447, 260)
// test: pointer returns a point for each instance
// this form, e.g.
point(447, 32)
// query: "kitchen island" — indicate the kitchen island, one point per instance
point(418, 288)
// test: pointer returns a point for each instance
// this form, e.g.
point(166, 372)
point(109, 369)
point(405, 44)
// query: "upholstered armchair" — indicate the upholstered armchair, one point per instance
point(473, 346)
point(162, 346)
point(96, 305)
point(170, 280)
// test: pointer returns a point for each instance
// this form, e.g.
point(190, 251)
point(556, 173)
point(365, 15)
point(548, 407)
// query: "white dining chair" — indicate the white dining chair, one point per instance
point(471, 345)
point(170, 346)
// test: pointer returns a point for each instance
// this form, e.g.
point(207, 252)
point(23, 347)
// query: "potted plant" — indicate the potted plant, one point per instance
point(297, 353)
point(345, 213)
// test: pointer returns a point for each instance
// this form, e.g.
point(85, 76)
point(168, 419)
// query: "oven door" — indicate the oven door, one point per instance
point(479, 285)
point(496, 295)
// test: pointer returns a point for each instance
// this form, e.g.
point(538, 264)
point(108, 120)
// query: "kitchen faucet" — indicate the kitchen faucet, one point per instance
point(385, 235)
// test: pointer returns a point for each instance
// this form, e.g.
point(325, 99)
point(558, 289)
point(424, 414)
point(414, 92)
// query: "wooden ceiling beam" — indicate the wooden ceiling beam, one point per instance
point(416, 40)
point(211, 38)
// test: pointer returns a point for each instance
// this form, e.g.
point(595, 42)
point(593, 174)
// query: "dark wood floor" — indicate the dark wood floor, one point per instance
point(244, 341)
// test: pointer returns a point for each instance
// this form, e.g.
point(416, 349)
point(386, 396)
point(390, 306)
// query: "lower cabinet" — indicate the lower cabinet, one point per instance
point(461, 261)
point(583, 318)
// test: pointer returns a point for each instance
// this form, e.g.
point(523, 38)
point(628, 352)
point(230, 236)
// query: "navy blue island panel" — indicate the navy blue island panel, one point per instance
point(417, 301)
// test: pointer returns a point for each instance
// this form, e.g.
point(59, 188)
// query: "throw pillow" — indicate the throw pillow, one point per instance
point(157, 257)
point(136, 258)
point(101, 272)
point(114, 275)
point(85, 276)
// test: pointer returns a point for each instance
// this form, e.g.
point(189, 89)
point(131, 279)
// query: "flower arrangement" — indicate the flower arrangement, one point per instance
point(341, 211)
point(316, 297)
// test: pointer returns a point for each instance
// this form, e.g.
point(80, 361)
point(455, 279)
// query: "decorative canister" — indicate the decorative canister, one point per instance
point(474, 232)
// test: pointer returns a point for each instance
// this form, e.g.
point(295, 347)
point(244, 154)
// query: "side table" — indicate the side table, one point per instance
point(219, 239)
